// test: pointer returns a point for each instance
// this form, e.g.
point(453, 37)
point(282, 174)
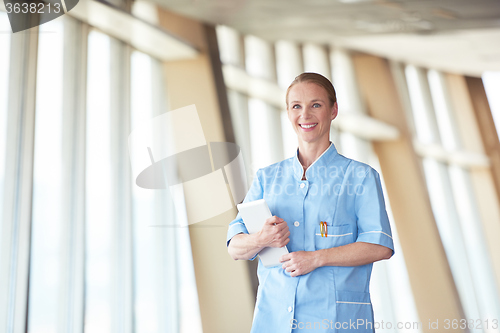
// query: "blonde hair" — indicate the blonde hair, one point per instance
point(318, 79)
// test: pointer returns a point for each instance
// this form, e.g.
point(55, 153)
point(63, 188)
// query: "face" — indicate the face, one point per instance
point(310, 112)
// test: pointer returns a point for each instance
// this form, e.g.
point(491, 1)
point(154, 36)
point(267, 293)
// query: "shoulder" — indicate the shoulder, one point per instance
point(270, 171)
point(359, 169)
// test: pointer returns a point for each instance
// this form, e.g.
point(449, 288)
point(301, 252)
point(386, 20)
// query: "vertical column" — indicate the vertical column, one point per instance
point(423, 109)
point(435, 294)
point(238, 106)
point(169, 247)
point(16, 219)
point(487, 182)
point(397, 70)
point(192, 82)
point(260, 63)
point(316, 59)
point(349, 102)
point(73, 191)
point(232, 52)
point(487, 128)
point(289, 65)
point(289, 62)
point(344, 79)
point(121, 211)
point(215, 62)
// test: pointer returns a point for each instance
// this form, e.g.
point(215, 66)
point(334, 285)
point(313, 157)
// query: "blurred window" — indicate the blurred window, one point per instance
point(316, 59)
point(452, 195)
point(147, 238)
point(4, 84)
point(491, 82)
point(136, 277)
point(46, 254)
point(99, 200)
point(259, 58)
point(165, 297)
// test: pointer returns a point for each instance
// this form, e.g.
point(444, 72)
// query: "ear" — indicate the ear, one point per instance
point(335, 111)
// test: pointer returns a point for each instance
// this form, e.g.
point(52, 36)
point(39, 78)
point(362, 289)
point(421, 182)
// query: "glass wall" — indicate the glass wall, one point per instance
point(46, 230)
point(146, 251)
point(99, 199)
point(451, 194)
point(103, 255)
point(165, 297)
point(492, 86)
point(4, 77)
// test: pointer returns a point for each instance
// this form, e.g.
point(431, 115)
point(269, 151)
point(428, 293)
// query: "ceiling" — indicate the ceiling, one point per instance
point(454, 35)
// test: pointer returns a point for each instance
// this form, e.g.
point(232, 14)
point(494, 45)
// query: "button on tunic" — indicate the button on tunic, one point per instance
point(345, 194)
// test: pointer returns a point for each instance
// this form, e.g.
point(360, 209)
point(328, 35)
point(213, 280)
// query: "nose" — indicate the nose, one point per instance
point(306, 112)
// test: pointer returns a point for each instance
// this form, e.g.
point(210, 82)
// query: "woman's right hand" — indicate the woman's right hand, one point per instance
point(274, 233)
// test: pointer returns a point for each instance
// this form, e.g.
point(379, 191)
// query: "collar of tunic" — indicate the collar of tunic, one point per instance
point(322, 162)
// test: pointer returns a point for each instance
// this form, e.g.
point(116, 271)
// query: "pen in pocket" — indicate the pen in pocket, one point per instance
point(323, 227)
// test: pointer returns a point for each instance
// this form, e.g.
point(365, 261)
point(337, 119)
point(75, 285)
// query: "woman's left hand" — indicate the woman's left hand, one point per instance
point(353, 254)
point(299, 263)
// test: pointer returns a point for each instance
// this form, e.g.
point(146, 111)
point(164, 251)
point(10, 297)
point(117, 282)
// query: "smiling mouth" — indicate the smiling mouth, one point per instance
point(308, 125)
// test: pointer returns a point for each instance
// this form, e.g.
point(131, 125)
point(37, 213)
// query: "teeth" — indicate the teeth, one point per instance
point(308, 126)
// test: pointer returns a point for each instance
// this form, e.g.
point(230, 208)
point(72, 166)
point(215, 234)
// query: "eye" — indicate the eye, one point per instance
point(316, 105)
point(296, 106)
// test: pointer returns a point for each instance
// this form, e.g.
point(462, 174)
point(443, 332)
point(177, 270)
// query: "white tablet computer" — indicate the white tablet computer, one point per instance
point(254, 215)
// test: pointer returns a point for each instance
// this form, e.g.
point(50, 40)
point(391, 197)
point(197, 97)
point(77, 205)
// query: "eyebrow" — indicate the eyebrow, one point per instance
point(314, 100)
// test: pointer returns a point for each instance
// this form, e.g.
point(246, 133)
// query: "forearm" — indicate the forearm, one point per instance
point(354, 254)
point(244, 246)
point(274, 233)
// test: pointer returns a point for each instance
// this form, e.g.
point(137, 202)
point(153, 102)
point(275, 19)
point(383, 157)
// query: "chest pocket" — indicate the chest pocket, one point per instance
point(333, 236)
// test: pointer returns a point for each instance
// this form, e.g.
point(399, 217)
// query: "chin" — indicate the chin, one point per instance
point(308, 140)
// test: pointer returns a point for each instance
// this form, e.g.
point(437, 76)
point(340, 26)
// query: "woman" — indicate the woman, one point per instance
point(329, 211)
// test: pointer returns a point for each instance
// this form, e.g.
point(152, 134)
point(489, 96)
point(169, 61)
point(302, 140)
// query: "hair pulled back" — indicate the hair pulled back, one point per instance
point(318, 79)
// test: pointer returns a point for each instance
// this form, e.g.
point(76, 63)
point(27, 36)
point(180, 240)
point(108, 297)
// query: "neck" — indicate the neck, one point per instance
point(309, 152)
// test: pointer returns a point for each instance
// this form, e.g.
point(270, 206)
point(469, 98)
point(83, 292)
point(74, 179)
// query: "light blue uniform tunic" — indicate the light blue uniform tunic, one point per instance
point(348, 196)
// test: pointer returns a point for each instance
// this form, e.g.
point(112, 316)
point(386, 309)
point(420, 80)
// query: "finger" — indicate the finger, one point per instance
point(286, 235)
point(274, 220)
point(278, 220)
point(270, 220)
point(282, 227)
point(279, 232)
point(285, 242)
point(282, 241)
point(276, 229)
point(284, 257)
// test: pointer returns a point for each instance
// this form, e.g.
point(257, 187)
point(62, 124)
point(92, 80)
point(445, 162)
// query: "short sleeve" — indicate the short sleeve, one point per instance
point(237, 226)
point(372, 220)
